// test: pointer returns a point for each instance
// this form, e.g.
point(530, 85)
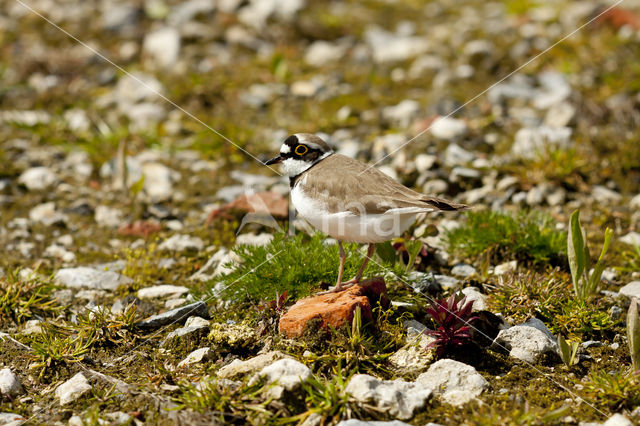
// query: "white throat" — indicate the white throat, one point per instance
point(293, 167)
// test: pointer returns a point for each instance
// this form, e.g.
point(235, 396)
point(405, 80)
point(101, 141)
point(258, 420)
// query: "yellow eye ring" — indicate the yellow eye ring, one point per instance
point(301, 150)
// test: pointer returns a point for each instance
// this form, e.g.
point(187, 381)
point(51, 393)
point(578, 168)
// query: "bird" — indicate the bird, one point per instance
point(348, 199)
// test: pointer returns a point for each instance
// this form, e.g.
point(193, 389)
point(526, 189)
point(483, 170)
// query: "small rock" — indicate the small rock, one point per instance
point(160, 291)
point(119, 418)
point(72, 389)
point(526, 343)
point(617, 420)
point(32, 327)
point(334, 309)
point(216, 265)
point(287, 375)
point(631, 290)
point(536, 195)
point(453, 382)
point(591, 344)
point(455, 155)
point(37, 178)
point(390, 47)
point(11, 419)
point(239, 368)
point(181, 242)
point(58, 252)
point(463, 270)
point(10, 385)
point(435, 187)
point(531, 142)
point(448, 128)
point(506, 267)
point(605, 195)
point(163, 45)
point(355, 422)
point(415, 356)
point(232, 335)
point(85, 277)
point(402, 114)
point(175, 315)
point(158, 181)
point(47, 214)
point(199, 355)
point(259, 240)
point(632, 238)
point(399, 398)
point(479, 299)
point(424, 162)
point(108, 217)
point(635, 202)
point(322, 52)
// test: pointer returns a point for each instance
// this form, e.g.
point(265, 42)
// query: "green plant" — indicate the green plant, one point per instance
point(399, 252)
point(584, 283)
point(54, 347)
point(633, 333)
point(297, 265)
point(615, 390)
point(106, 328)
point(528, 237)
point(22, 299)
point(453, 319)
point(577, 317)
point(568, 350)
point(632, 260)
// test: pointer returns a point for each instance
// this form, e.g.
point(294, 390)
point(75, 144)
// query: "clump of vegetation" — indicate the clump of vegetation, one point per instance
point(585, 282)
point(568, 350)
point(23, 299)
point(615, 390)
point(527, 237)
point(453, 319)
point(54, 347)
point(297, 264)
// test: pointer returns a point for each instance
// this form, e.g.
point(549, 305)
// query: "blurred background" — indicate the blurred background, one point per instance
point(559, 133)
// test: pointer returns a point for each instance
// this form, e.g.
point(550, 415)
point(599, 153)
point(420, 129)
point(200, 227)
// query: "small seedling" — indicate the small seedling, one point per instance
point(568, 350)
point(399, 252)
point(633, 333)
point(584, 283)
point(453, 319)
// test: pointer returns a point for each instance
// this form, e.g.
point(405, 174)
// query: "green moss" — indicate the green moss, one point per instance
point(529, 237)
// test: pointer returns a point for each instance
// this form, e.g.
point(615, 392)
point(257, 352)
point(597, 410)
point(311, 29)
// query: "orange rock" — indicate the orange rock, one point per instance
point(335, 309)
point(270, 203)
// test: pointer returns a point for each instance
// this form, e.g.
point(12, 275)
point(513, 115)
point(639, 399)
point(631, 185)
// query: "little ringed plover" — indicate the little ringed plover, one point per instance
point(349, 200)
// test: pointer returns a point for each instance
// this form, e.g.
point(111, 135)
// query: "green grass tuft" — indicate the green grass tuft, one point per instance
point(527, 237)
point(296, 264)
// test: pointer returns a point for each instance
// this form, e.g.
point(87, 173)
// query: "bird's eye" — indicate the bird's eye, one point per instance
point(301, 150)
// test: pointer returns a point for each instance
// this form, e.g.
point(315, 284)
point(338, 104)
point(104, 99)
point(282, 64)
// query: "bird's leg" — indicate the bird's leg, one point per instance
point(358, 277)
point(343, 258)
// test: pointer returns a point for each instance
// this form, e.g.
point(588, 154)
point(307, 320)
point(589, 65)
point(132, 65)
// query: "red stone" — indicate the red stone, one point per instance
point(335, 309)
point(262, 202)
point(140, 228)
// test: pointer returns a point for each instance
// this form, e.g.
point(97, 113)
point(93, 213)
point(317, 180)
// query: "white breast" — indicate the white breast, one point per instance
point(346, 226)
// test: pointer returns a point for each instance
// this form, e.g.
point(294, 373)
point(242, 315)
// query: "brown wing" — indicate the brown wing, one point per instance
point(339, 178)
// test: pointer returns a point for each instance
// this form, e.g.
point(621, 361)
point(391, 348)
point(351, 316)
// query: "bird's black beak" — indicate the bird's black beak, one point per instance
point(275, 160)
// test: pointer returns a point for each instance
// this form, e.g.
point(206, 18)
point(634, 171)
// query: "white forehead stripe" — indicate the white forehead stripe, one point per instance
point(302, 138)
point(285, 149)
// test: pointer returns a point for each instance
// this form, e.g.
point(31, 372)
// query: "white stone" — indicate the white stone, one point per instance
point(259, 240)
point(37, 178)
point(505, 267)
point(158, 181)
point(215, 266)
point(455, 155)
point(199, 355)
point(10, 385)
point(47, 214)
point(448, 128)
point(285, 374)
point(108, 216)
point(463, 270)
point(479, 299)
point(181, 242)
point(605, 195)
point(617, 420)
point(72, 389)
point(239, 368)
point(525, 342)
point(635, 202)
point(453, 382)
point(632, 238)
point(58, 252)
point(322, 52)
point(163, 45)
point(11, 419)
point(85, 277)
point(631, 290)
point(402, 114)
point(390, 47)
point(159, 291)
point(531, 142)
point(399, 398)
point(424, 162)
point(119, 418)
